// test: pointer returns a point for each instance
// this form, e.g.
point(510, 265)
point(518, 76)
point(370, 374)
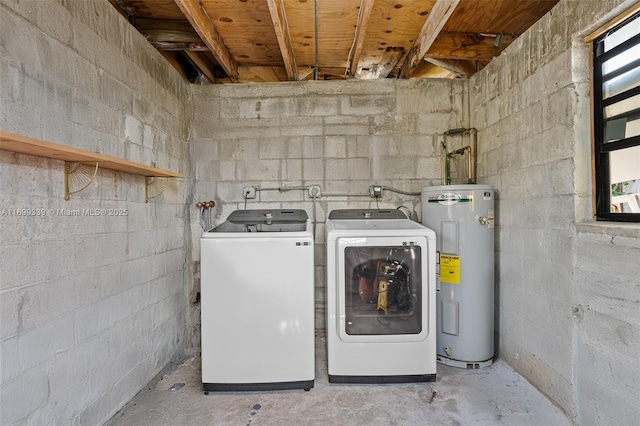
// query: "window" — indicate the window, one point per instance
point(616, 59)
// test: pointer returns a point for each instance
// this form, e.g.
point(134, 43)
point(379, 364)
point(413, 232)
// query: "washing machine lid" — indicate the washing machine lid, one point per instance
point(369, 214)
point(265, 220)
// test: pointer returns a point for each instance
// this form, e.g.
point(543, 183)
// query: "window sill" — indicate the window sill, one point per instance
point(614, 229)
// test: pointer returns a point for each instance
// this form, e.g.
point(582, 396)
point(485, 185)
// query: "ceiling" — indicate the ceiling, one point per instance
point(231, 41)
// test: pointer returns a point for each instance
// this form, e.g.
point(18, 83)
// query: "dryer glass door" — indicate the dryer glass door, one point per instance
point(383, 290)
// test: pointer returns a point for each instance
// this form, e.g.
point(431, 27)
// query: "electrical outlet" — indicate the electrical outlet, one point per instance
point(315, 191)
point(249, 192)
point(375, 191)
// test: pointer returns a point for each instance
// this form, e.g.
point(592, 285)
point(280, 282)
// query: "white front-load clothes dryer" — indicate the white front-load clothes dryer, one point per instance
point(380, 298)
point(257, 302)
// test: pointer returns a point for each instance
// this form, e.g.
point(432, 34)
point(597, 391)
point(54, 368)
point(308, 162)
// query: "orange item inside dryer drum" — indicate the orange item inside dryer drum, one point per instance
point(365, 289)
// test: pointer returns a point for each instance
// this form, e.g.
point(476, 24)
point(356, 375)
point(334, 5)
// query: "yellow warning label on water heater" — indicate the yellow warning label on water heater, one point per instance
point(449, 269)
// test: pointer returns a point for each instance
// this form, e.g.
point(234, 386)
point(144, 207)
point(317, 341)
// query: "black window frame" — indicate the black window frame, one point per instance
point(601, 147)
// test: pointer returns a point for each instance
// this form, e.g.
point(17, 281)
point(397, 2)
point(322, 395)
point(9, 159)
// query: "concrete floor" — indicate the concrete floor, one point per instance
point(494, 395)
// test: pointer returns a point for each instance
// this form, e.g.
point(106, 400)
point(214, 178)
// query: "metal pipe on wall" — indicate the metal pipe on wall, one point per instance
point(445, 176)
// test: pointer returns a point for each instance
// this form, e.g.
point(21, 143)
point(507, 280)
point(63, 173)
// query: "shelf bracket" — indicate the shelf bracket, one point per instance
point(77, 177)
point(154, 186)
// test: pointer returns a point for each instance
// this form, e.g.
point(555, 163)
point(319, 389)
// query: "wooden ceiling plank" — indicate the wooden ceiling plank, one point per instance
point(284, 38)
point(207, 32)
point(463, 69)
point(364, 17)
point(441, 12)
point(262, 74)
point(200, 63)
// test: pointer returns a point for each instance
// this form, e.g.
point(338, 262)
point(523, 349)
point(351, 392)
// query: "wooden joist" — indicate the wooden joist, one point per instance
point(441, 12)
point(364, 17)
point(279, 20)
point(460, 68)
point(207, 32)
point(387, 64)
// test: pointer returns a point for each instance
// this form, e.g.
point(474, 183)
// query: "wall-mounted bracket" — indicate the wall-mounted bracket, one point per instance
point(154, 186)
point(77, 177)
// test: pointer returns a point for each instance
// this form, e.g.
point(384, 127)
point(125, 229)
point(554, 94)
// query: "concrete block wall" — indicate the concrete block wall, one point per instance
point(607, 315)
point(341, 136)
point(91, 306)
point(531, 107)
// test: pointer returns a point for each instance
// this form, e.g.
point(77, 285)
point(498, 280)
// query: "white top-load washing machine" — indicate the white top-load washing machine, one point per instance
point(257, 295)
point(380, 298)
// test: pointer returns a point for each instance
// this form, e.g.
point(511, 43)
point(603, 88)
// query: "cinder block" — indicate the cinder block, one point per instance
point(292, 170)
point(313, 147)
point(67, 381)
point(358, 168)
point(273, 148)
point(9, 307)
point(393, 167)
point(336, 169)
point(335, 147)
point(248, 149)
point(313, 169)
point(366, 105)
point(148, 136)
point(305, 126)
point(426, 96)
point(612, 406)
point(428, 168)
point(23, 396)
point(258, 170)
point(318, 106)
point(208, 170)
point(31, 347)
point(133, 129)
point(42, 303)
point(16, 35)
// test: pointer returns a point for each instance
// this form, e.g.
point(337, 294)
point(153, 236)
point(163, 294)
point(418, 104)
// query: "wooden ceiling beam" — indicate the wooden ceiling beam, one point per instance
point(387, 64)
point(202, 65)
point(279, 20)
point(364, 16)
point(201, 22)
point(469, 46)
point(428, 70)
point(167, 30)
point(170, 34)
point(180, 47)
point(440, 13)
point(463, 69)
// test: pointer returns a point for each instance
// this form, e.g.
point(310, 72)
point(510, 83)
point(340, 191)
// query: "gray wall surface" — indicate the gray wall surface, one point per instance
point(340, 136)
point(91, 307)
point(568, 316)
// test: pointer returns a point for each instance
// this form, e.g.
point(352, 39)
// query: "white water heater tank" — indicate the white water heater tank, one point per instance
point(462, 217)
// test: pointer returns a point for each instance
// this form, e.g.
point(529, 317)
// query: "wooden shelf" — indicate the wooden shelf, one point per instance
point(26, 145)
